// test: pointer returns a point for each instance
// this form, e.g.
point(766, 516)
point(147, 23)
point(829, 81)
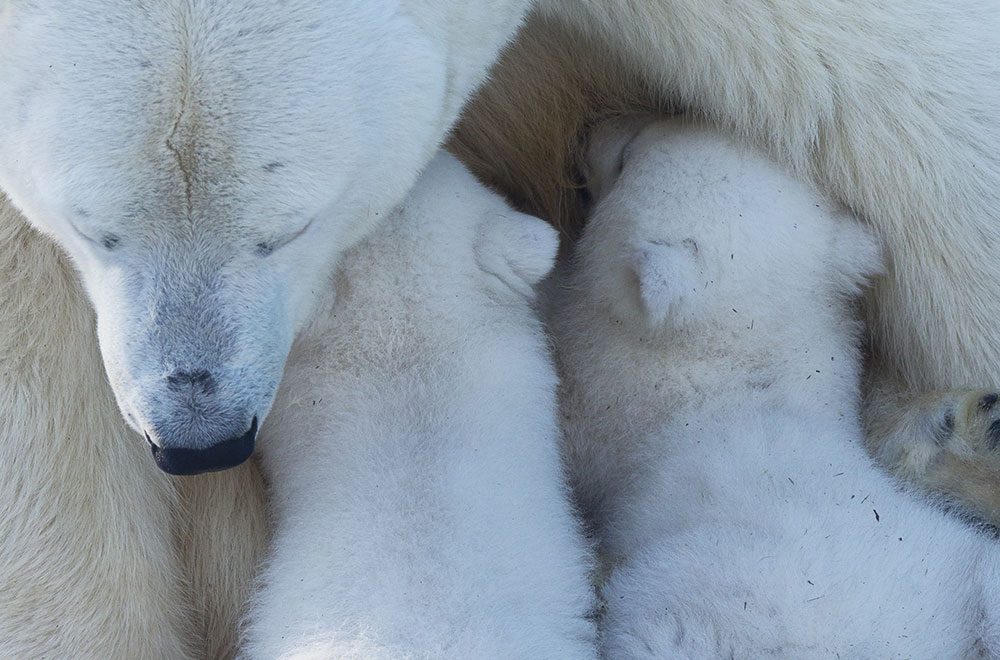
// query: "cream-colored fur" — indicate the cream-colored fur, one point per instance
point(85, 534)
point(891, 107)
point(90, 539)
point(223, 533)
point(103, 556)
point(708, 349)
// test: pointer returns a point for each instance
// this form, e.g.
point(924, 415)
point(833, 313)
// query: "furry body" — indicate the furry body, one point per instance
point(197, 132)
point(418, 498)
point(710, 394)
point(890, 108)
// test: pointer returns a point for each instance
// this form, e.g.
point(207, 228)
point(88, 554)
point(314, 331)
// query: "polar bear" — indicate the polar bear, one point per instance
point(179, 153)
point(891, 108)
point(709, 356)
point(419, 501)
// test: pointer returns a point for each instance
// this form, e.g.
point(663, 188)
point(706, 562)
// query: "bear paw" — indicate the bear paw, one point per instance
point(971, 424)
point(953, 448)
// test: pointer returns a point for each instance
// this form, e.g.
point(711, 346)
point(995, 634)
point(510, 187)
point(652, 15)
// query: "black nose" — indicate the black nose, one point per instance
point(221, 456)
point(199, 380)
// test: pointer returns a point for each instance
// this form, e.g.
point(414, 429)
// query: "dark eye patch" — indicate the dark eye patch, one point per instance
point(110, 241)
point(264, 249)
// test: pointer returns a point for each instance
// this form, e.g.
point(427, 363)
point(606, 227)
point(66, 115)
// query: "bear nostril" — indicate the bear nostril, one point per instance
point(200, 378)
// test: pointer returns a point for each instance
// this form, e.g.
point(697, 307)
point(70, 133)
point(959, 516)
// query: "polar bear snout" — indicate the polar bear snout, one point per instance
point(220, 456)
point(201, 414)
point(200, 420)
point(194, 355)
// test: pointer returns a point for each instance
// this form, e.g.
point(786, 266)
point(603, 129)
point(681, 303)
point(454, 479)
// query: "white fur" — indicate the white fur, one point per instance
point(710, 360)
point(890, 106)
point(121, 108)
point(257, 120)
point(206, 169)
point(418, 494)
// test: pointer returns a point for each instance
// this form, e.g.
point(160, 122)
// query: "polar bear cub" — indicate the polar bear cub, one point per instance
point(709, 353)
point(420, 506)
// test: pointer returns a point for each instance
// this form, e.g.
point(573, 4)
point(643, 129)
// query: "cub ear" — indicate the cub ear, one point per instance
point(606, 152)
point(519, 249)
point(666, 276)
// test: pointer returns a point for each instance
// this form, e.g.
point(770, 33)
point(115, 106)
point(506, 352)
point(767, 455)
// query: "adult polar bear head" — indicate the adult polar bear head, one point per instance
point(204, 163)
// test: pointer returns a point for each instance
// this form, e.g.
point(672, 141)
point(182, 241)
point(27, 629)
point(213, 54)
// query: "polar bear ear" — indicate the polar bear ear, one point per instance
point(519, 249)
point(606, 152)
point(666, 275)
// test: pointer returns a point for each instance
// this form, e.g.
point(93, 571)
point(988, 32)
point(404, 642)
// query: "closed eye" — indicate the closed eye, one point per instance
point(107, 241)
point(266, 248)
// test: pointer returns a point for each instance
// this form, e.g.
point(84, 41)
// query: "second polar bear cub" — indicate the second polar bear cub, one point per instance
point(709, 355)
point(420, 506)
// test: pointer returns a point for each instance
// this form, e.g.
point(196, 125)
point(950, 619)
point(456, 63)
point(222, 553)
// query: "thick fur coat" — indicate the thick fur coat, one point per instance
point(174, 151)
point(708, 351)
point(418, 497)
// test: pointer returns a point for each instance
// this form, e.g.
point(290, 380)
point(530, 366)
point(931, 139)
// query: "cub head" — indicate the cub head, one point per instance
point(688, 228)
point(205, 163)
